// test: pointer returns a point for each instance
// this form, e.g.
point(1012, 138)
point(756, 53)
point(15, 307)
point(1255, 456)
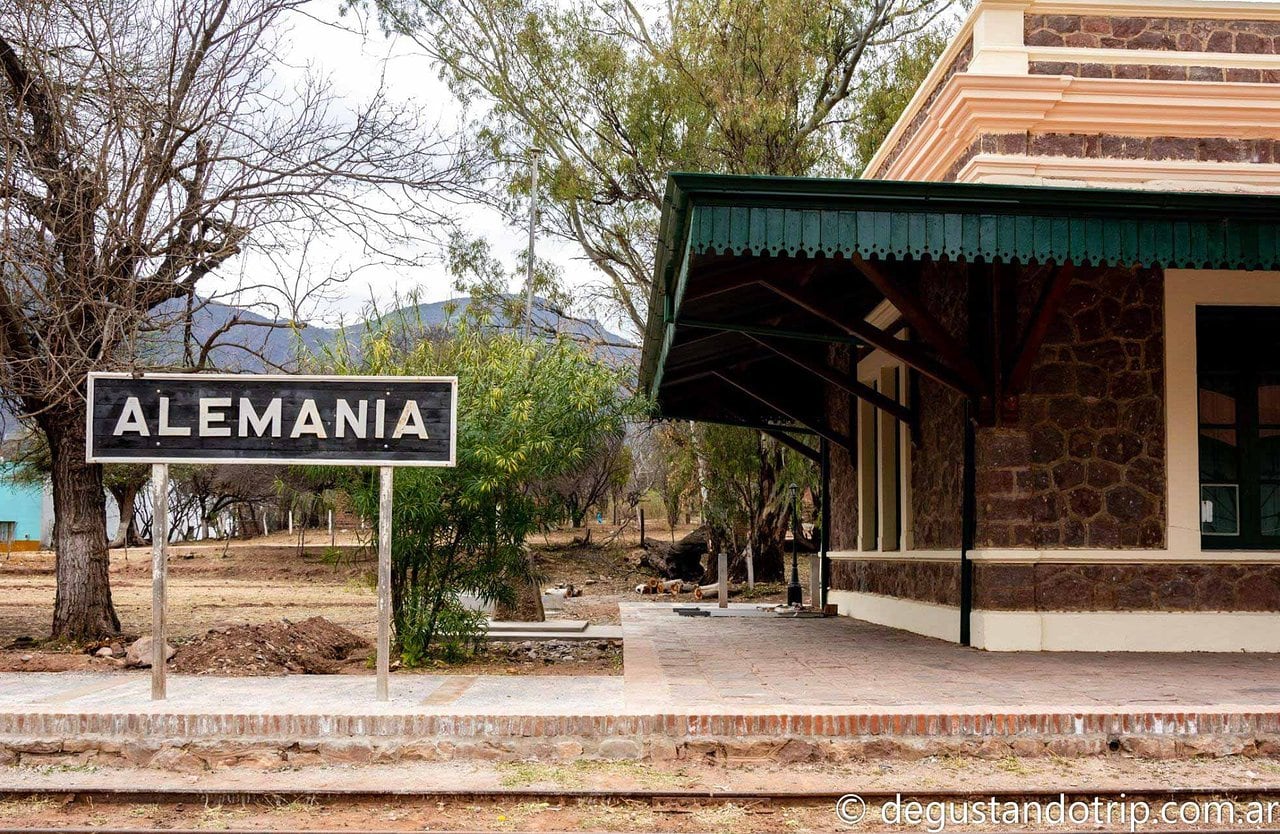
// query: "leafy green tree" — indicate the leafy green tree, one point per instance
point(881, 102)
point(618, 94)
point(747, 502)
point(529, 411)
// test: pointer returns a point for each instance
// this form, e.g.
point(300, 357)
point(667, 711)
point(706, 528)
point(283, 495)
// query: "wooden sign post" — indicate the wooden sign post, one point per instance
point(266, 418)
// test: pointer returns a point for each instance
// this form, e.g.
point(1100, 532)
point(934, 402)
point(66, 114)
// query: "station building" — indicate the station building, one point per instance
point(1036, 349)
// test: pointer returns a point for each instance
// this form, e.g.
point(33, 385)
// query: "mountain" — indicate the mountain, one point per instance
point(248, 345)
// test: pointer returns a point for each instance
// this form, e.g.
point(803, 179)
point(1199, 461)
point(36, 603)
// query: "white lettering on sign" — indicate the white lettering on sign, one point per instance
point(410, 422)
point(308, 421)
point(167, 430)
point(214, 419)
point(210, 419)
point(346, 418)
point(268, 419)
point(131, 419)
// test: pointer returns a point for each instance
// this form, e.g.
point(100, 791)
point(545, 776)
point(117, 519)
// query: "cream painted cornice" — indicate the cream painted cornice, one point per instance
point(1162, 175)
point(995, 29)
point(971, 105)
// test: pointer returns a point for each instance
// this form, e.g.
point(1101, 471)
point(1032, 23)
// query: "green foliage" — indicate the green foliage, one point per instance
point(617, 94)
point(749, 484)
point(528, 412)
point(881, 101)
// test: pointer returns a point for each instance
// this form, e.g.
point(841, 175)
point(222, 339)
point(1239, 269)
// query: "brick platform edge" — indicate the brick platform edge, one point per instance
point(200, 742)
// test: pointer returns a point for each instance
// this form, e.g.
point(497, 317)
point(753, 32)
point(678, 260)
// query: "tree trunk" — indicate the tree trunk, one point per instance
point(126, 497)
point(528, 602)
point(82, 609)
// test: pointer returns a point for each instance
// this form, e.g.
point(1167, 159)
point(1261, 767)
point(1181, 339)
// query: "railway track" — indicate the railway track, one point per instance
point(174, 809)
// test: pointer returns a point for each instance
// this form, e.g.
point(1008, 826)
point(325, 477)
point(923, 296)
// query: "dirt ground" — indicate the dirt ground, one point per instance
point(551, 813)
point(214, 587)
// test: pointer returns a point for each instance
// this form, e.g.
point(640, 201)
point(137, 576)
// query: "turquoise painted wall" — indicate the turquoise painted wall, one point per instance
point(21, 504)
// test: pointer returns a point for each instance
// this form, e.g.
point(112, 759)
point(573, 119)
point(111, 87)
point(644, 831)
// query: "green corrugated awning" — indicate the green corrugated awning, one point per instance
point(784, 217)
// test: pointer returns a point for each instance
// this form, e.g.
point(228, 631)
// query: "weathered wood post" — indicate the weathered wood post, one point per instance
point(722, 578)
point(385, 490)
point(159, 576)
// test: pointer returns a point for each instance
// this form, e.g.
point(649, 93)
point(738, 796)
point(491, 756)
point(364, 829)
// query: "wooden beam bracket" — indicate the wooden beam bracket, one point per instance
point(820, 429)
point(830, 375)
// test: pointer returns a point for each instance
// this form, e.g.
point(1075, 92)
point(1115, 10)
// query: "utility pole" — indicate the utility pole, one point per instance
point(534, 154)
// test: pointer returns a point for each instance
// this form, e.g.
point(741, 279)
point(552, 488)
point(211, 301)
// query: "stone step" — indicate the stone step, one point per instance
point(499, 626)
point(595, 632)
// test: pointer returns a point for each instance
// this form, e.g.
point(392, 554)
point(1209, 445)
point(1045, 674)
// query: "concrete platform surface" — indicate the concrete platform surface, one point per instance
point(741, 686)
point(716, 663)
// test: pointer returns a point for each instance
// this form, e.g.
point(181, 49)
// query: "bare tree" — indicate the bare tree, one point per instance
point(142, 147)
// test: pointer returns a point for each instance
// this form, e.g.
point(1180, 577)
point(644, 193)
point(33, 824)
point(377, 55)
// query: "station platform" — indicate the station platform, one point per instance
point(705, 688)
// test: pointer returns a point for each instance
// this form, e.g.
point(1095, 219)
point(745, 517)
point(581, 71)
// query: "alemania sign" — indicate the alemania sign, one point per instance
point(244, 418)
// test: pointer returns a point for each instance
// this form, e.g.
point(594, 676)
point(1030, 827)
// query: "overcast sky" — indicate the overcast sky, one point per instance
point(352, 50)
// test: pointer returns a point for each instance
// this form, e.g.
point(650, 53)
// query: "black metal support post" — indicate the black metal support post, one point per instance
point(968, 523)
point(824, 449)
point(795, 595)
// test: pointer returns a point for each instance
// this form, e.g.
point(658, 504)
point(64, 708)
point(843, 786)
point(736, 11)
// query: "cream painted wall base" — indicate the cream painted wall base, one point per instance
point(1126, 631)
point(1072, 631)
point(941, 621)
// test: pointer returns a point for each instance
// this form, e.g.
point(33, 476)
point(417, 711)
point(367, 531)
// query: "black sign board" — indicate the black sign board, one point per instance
point(243, 418)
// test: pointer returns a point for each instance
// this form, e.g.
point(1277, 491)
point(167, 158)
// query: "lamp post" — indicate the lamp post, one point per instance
point(794, 594)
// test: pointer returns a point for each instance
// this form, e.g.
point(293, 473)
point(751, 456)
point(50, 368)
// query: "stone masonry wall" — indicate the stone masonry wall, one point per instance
point(1108, 146)
point(1127, 587)
point(1084, 465)
point(926, 581)
point(1173, 34)
point(1155, 72)
point(937, 459)
point(841, 415)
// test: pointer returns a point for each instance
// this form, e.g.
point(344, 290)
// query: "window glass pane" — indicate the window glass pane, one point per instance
point(1218, 458)
point(1219, 512)
point(1269, 454)
point(1269, 399)
point(1217, 399)
point(1269, 498)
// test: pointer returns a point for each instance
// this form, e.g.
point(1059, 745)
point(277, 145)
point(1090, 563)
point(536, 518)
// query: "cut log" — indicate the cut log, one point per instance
point(682, 560)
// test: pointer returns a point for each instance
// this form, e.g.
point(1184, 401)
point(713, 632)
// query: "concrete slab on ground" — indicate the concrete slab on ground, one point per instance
point(545, 625)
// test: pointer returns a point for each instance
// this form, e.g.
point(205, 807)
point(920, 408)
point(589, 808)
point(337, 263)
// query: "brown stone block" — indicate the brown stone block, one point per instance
point(1162, 41)
point(1062, 23)
point(1130, 71)
point(1128, 27)
point(1080, 444)
point(1096, 24)
point(1103, 532)
point(1058, 144)
point(1084, 502)
point(1242, 75)
point(1220, 41)
point(1252, 44)
point(1188, 42)
point(1044, 37)
point(1068, 474)
point(1165, 147)
point(995, 482)
point(1221, 150)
